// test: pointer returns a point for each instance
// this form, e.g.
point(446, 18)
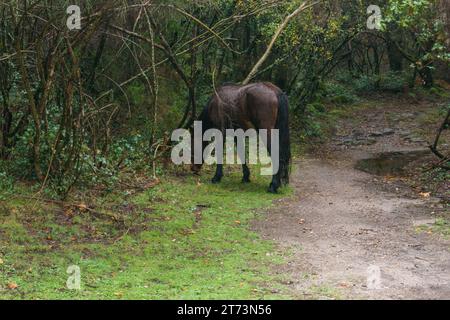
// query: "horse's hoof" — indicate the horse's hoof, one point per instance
point(215, 181)
point(246, 180)
point(272, 190)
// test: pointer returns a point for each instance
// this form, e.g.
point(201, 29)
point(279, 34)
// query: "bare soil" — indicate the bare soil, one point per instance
point(342, 222)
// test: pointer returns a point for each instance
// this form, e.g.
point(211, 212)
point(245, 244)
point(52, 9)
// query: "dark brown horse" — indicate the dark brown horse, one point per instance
point(254, 106)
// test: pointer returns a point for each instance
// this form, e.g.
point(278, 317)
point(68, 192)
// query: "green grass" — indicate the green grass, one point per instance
point(324, 292)
point(440, 227)
point(184, 239)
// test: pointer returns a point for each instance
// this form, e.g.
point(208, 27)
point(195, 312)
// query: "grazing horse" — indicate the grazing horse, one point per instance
point(254, 106)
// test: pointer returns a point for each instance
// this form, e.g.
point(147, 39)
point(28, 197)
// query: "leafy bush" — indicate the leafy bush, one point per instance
point(393, 82)
point(6, 183)
point(388, 82)
point(310, 123)
point(338, 93)
point(366, 84)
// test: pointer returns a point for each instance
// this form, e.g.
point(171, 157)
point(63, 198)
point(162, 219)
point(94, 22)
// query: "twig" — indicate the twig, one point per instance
point(444, 126)
point(280, 29)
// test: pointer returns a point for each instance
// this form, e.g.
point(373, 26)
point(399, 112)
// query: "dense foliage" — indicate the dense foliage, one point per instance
point(79, 106)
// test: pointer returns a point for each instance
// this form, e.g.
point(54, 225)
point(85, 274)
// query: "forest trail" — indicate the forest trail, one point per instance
point(343, 221)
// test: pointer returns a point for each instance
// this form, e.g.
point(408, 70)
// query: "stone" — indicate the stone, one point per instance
point(405, 133)
point(388, 132)
point(417, 140)
point(384, 132)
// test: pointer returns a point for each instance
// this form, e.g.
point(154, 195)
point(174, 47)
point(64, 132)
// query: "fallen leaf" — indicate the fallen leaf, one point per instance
point(12, 285)
point(82, 207)
point(1, 261)
point(425, 194)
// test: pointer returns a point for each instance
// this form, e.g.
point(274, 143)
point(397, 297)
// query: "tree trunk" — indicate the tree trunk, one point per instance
point(443, 69)
point(395, 56)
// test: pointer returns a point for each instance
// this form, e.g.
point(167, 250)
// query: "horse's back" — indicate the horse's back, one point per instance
point(252, 105)
point(261, 104)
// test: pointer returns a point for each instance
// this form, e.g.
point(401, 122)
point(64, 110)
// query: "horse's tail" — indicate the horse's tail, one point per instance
point(285, 144)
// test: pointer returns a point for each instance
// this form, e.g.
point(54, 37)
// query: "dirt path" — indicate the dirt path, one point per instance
point(344, 225)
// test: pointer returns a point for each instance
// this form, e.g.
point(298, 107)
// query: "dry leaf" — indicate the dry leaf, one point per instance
point(82, 207)
point(12, 285)
point(344, 285)
point(69, 212)
point(425, 194)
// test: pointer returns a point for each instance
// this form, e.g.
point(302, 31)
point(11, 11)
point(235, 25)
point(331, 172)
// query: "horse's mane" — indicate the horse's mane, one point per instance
point(205, 117)
point(230, 84)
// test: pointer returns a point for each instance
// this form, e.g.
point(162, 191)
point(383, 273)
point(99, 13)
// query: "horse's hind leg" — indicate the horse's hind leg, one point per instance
point(219, 174)
point(275, 184)
point(276, 181)
point(245, 169)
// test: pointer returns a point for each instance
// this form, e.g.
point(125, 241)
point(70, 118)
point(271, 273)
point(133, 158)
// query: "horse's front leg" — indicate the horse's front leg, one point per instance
point(246, 173)
point(275, 184)
point(219, 174)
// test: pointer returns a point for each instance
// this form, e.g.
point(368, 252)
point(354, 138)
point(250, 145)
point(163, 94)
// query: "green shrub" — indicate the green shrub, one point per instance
point(6, 183)
point(388, 82)
point(365, 84)
point(338, 93)
point(393, 82)
point(310, 122)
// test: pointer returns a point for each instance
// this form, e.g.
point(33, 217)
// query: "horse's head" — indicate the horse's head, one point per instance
point(196, 168)
point(205, 121)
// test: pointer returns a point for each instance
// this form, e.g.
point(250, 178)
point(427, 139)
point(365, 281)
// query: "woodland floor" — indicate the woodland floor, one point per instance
point(185, 238)
point(341, 220)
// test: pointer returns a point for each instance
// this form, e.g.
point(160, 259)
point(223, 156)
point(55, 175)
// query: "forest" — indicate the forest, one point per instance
point(93, 207)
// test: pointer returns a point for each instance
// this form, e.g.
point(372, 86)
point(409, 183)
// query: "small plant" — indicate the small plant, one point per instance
point(393, 82)
point(338, 93)
point(6, 184)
